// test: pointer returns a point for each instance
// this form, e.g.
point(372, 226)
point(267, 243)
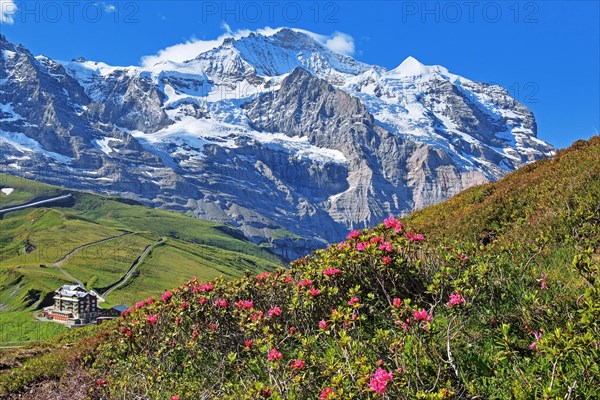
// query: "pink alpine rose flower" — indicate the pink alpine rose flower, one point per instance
point(274, 355)
point(305, 282)
point(397, 302)
point(221, 303)
point(323, 324)
point(331, 271)
point(327, 393)
point(455, 300)
point(414, 237)
point(275, 312)
point(386, 246)
point(392, 222)
point(353, 235)
point(380, 380)
point(263, 276)
point(166, 296)
point(386, 260)
point(297, 364)
point(244, 304)
point(343, 245)
point(353, 301)
point(314, 292)
point(152, 319)
point(422, 315)
point(206, 287)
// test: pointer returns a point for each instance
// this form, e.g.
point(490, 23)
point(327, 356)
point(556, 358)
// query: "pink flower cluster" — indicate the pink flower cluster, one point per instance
point(343, 245)
point(274, 355)
point(314, 292)
point(323, 324)
point(414, 237)
point(297, 364)
point(151, 319)
point(326, 393)
point(455, 300)
point(244, 304)
point(422, 315)
point(353, 235)
point(380, 380)
point(353, 301)
point(331, 271)
point(275, 312)
point(392, 222)
point(305, 282)
point(397, 302)
point(166, 296)
point(386, 246)
point(221, 303)
point(205, 287)
point(263, 276)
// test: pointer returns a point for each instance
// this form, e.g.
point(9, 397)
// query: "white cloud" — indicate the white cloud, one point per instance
point(338, 42)
point(110, 8)
point(341, 43)
point(226, 27)
point(8, 8)
point(182, 52)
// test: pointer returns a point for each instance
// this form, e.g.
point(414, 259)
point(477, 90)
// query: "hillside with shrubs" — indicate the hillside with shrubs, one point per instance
point(493, 294)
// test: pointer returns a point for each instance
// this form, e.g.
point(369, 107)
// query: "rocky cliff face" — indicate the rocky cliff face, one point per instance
point(276, 135)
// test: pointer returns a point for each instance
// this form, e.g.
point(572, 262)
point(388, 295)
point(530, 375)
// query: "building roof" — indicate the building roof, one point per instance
point(72, 291)
point(121, 308)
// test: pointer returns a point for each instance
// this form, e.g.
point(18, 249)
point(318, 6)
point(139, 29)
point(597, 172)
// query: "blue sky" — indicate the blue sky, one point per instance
point(546, 53)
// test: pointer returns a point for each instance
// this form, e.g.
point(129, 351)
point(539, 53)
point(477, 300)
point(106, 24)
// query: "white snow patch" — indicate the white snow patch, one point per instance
point(8, 55)
point(104, 146)
point(7, 191)
point(8, 109)
point(25, 144)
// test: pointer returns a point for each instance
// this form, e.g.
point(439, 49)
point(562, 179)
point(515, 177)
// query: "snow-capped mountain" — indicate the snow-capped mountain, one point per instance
point(272, 133)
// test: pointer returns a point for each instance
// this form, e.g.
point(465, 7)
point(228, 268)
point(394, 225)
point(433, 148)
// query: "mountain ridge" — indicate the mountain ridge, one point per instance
point(191, 136)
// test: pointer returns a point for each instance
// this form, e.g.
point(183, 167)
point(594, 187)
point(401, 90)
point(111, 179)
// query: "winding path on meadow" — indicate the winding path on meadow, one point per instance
point(133, 267)
point(76, 250)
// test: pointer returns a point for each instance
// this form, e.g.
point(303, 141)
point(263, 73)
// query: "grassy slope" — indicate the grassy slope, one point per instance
point(539, 225)
point(42, 236)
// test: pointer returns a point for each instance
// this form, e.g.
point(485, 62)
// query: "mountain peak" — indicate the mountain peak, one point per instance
point(411, 67)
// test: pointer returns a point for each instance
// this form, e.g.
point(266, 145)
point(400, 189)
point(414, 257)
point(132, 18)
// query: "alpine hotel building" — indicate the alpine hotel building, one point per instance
point(74, 305)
